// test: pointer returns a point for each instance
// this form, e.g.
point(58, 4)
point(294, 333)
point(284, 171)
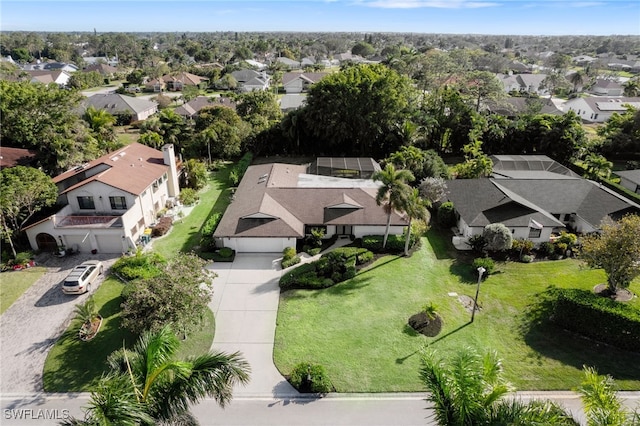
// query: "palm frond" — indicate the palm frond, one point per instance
point(434, 376)
point(114, 403)
point(601, 404)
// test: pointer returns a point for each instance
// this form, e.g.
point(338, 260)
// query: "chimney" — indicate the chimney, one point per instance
point(170, 160)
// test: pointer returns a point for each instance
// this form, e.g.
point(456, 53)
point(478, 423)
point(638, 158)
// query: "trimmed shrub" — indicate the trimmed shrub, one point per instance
point(142, 265)
point(596, 317)
point(521, 247)
point(209, 227)
point(526, 258)
point(485, 262)
point(395, 243)
point(225, 252)
point(546, 249)
point(312, 251)
point(289, 262)
point(372, 242)
point(188, 196)
point(237, 172)
point(310, 378)
point(446, 215)
point(477, 243)
point(288, 253)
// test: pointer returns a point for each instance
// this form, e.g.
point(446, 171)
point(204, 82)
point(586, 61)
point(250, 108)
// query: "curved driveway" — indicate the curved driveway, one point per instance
point(31, 326)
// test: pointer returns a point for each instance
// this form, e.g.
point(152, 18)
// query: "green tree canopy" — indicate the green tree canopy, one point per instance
point(23, 192)
point(219, 132)
point(616, 249)
point(178, 296)
point(352, 111)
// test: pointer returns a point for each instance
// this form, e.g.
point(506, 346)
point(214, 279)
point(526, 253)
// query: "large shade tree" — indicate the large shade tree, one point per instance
point(23, 192)
point(616, 249)
point(148, 384)
point(470, 390)
point(352, 112)
point(393, 192)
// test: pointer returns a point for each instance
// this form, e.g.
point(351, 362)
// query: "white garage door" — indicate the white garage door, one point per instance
point(109, 243)
point(76, 242)
point(262, 245)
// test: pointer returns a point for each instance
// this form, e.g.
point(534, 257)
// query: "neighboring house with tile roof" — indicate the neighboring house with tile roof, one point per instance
point(113, 103)
point(11, 157)
point(102, 68)
point(598, 109)
point(605, 87)
point(250, 80)
point(298, 82)
point(630, 179)
point(513, 106)
point(267, 214)
point(193, 107)
point(525, 83)
point(179, 81)
point(60, 77)
point(109, 202)
point(533, 196)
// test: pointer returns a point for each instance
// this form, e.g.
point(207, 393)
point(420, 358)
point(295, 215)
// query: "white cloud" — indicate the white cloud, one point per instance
point(438, 4)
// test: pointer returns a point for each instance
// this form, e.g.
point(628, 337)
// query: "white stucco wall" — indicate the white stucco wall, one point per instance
point(361, 231)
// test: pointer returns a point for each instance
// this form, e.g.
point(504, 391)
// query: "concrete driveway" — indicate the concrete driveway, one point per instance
point(30, 327)
point(245, 304)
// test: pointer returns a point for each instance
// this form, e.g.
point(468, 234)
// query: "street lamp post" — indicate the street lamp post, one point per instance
point(481, 271)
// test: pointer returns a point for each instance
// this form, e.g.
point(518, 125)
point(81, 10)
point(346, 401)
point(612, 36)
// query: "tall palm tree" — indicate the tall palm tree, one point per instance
point(601, 404)
point(632, 87)
point(597, 167)
point(393, 191)
point(147, 382)
point(577, 79)
point(470, 390)
point(416, 208)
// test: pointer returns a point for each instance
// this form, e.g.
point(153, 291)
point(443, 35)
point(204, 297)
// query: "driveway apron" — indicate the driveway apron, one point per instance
point(245, 304)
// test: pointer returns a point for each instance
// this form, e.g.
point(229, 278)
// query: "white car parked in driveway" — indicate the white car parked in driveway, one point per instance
point(82, 276)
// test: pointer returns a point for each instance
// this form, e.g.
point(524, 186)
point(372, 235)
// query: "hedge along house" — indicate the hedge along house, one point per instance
point(109, 202)
point(276, 205)
point(534, 196)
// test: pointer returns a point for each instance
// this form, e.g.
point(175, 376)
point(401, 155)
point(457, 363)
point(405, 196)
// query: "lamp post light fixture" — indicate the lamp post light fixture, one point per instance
point(481, 271)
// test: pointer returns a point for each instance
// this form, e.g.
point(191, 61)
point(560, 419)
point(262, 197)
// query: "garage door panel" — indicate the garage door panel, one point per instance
point(262, 245)
point(109, 243)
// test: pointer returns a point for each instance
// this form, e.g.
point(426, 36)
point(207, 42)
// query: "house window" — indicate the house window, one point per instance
point(535, 232)
point(118, 203)
point(86, 203)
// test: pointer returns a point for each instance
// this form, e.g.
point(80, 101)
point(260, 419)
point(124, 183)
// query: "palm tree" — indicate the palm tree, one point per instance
point(470, 390)
point(392, 192)
point(147, 382)
point(601, 404)
point(416, 208)
point(597, 167)
point(632, 87)
point(577, 79)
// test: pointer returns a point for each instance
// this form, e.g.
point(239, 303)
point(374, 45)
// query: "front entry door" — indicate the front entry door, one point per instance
point(344, 229)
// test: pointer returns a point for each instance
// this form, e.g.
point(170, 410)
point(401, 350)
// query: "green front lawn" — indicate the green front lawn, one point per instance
point(185, 233)
point(358, 329)
point(75, 366)
point(14, 283)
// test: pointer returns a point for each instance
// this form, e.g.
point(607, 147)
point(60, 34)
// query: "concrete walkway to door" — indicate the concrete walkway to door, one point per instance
point(245, 305)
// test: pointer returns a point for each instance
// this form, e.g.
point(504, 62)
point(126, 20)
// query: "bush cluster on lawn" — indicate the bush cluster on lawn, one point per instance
point(140, 265)
point(237, 172)
point(395, 243)
point(558, 249)
point(597, 317)
point(206, 241)
point(162, 227)
point(289, 257)
point(307, 377)
point(188, 196)
point(336, 266)
point(484, 262)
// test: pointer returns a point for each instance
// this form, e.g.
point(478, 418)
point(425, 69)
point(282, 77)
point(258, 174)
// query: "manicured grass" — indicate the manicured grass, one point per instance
point(185, 233)
point(73, 365)
point(14, 283)
point(358, 329)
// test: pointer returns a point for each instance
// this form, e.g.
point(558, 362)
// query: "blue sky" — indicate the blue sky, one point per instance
point(541, 17)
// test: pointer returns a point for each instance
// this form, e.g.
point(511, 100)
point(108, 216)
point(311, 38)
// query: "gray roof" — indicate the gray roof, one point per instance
point(269, 203)
point(292, 101)
point(242, 76)
point(515, 201)
point(114, 103)
point(194, 106)
point(630, 175)
point(529, 167)
point(515, 105)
